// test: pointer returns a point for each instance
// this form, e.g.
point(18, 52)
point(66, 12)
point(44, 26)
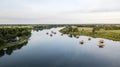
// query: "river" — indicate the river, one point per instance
point(43, 50)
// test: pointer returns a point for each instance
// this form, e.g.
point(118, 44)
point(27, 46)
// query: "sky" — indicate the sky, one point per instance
point(59, 11)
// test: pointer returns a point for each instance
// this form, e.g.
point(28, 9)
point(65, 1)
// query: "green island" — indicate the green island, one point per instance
point(111, 32)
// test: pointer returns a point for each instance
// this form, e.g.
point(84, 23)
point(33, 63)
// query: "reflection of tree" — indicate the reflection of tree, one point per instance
point(2, 53)
point(100, 46)
point(9, 50)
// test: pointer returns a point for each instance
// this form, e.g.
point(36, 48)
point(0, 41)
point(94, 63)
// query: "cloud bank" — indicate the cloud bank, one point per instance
point(59, 11)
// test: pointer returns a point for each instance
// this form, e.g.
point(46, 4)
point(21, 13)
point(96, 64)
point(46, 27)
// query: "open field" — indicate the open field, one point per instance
point(85, 28)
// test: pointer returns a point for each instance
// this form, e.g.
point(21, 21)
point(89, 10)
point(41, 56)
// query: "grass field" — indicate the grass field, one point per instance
point(87, 31)
point(85, 28)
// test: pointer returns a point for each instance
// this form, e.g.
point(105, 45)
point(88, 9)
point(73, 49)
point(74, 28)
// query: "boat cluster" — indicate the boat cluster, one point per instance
point(101, 42)
point(51, 34)
point(82, 41)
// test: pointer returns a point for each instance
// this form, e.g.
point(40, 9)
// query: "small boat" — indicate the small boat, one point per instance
point(47, 33)
point(54, 32)
point(101, 41)
point(61, 34)
point(89, 38)
point(101, 45)
point(77, 36)
point(81, 42)
point(51, 35)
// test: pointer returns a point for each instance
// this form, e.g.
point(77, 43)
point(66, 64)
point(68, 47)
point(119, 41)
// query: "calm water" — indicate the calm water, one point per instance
point(42, 50)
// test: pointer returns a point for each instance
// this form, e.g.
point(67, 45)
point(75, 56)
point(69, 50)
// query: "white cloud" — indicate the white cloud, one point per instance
point(53, 11)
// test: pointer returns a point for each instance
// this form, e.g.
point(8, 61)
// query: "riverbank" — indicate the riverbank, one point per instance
point(85, 31)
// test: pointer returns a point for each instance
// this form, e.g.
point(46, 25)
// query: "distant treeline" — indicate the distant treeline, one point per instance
point(106, 27)
point(80, 25)
point(42, 27)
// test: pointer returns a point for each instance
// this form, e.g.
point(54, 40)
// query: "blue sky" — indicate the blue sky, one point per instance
point(59, 11)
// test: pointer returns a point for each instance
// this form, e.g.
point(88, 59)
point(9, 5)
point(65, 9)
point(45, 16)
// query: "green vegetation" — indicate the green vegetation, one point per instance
point(12, 34)
point(102, 31)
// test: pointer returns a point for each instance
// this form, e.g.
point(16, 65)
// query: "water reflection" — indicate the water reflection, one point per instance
point(47, 33)
point(81, 42)
point(89, 38)
point(9, 50)
point(2, 53)
point(101, 45)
